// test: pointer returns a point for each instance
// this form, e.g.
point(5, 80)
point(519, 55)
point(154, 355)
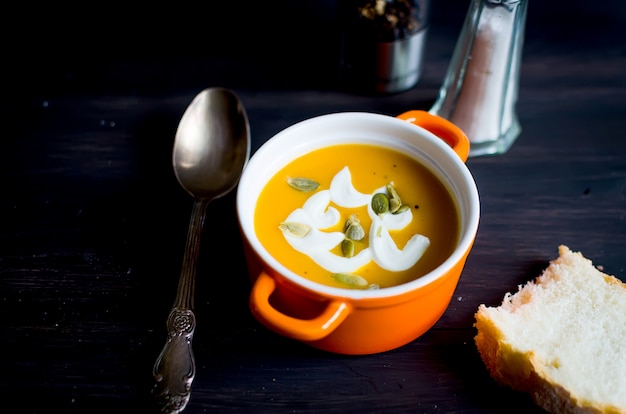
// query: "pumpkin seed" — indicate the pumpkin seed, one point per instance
point(350, 279)
point(347, 248)
point(395, 202)
point(303, 184)
point(353, 218)
point(402, 209)
point(394, 205)
point(355, 231)
point(380, 203)
point(392, 191)
point(295, 229)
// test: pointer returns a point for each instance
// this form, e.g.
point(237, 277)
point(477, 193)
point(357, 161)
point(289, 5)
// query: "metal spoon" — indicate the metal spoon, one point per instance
point(211, 148)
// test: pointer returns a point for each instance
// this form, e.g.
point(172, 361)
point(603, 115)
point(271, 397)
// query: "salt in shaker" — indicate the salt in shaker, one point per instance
point(480, 89)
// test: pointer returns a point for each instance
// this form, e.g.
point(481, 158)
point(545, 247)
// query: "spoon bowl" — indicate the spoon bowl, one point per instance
point(212, 144)
point(211, 149)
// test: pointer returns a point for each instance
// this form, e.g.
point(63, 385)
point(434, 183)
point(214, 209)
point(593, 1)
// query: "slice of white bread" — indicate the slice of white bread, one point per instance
point(561, 338)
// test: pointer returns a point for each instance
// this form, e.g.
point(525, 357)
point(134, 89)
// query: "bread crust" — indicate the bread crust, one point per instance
point(523, 370)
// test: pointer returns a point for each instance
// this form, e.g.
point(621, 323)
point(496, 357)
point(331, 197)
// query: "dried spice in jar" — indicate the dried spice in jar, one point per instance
point(386, 21)
point(382, 43)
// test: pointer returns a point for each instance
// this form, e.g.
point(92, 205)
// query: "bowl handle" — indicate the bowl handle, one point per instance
point(300, 329)
point(441, 127)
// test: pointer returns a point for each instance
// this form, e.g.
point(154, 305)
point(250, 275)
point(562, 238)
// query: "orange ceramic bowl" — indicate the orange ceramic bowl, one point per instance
point(350, 321)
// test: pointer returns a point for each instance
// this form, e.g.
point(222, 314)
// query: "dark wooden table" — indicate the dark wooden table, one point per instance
point(93, 223)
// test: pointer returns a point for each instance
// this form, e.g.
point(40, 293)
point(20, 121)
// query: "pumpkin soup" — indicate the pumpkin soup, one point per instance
point(357, 216)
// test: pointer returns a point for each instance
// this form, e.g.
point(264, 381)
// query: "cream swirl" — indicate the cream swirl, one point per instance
point(319, 215)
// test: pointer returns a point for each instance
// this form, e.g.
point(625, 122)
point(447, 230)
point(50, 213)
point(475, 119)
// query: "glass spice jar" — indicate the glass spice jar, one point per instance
point(383, 43)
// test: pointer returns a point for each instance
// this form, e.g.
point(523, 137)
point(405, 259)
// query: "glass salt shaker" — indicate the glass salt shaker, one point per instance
point(480, 89)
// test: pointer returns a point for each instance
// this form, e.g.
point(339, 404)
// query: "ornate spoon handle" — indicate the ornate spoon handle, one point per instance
point(175, 368)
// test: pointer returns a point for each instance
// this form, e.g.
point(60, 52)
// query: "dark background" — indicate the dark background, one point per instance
point(133, 47)
point(93, 222)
